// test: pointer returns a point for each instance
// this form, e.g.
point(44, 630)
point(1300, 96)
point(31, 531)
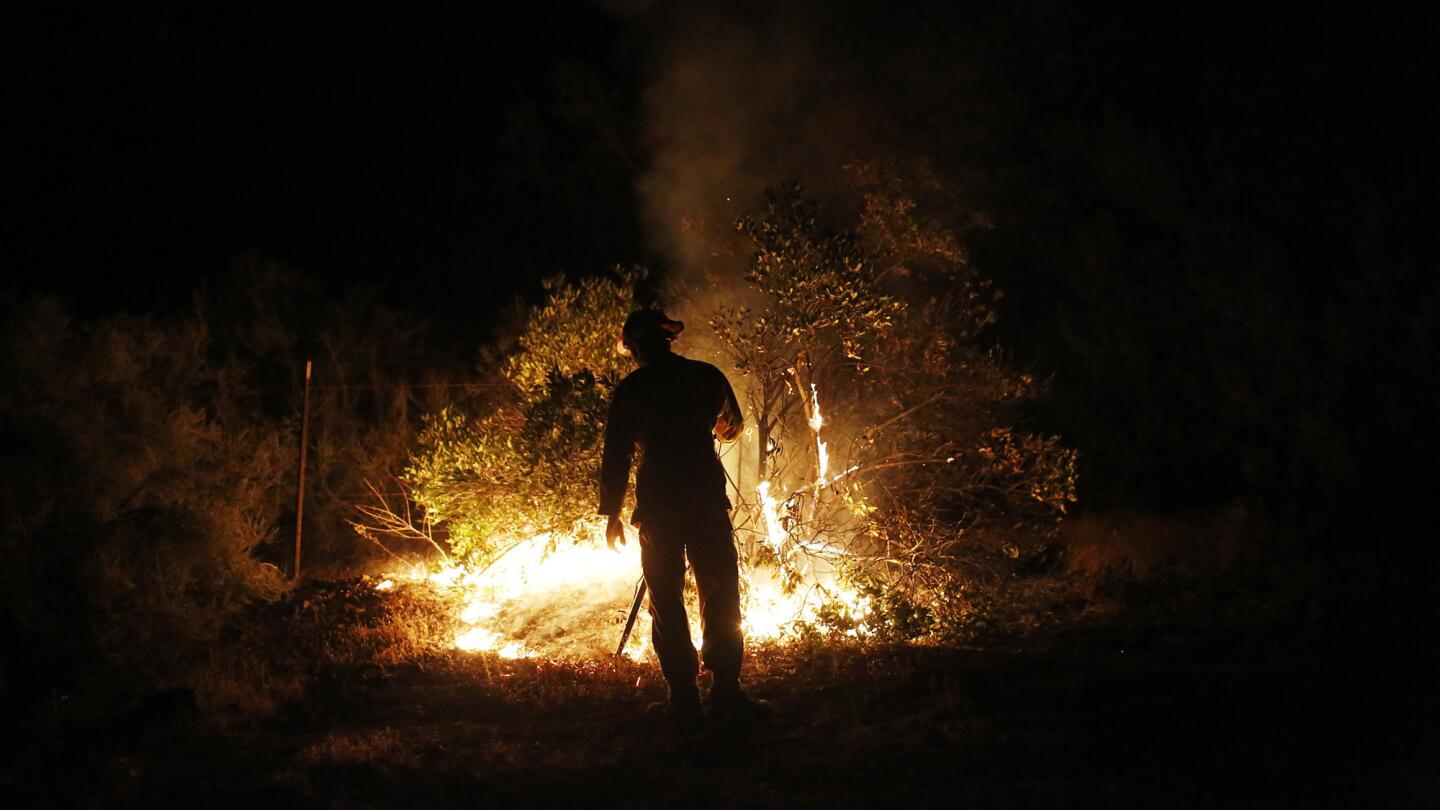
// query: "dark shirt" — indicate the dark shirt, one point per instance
point(672, 409)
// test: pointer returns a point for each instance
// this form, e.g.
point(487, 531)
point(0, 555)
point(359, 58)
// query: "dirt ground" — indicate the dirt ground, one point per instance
point(1085, 719)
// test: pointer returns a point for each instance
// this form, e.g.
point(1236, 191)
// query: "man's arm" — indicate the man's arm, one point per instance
point(731, 422)
point(620, 430)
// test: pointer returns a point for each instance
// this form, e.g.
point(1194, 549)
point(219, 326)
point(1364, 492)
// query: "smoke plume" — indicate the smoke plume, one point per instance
point(739, 101)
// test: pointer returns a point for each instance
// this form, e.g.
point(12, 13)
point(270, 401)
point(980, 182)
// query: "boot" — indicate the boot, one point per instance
point(730, 706)
point(682, 712)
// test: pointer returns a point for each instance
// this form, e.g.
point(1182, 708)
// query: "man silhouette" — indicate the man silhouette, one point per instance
point(673, 408)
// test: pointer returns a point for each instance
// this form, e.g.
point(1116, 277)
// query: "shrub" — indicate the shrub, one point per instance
point(527, 461)
point(131, 508)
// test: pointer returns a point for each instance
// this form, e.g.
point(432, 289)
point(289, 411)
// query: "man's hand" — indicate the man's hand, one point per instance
point(615, 532)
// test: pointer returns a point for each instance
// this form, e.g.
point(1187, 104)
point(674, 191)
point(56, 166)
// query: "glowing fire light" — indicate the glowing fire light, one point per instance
point(563, 596)
point(570, 601)
point(817, 421)
point(775, 532)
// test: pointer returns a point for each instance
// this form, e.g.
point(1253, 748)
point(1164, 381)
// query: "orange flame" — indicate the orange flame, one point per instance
point(822, 451)
point(565, 596)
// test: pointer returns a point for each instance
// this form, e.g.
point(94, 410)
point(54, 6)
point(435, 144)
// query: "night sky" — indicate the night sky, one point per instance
point(1209, 226)
point(428, 152)
point(424, 154)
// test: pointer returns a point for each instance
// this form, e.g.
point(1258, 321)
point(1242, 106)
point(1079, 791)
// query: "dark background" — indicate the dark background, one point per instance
point(413, 152)
point(1212, 225)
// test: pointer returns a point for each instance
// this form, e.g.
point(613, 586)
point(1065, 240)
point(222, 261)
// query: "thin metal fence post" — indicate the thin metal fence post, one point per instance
point(300, 489)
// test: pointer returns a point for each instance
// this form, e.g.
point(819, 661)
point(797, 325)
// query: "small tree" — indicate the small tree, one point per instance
point(822, 304)
point(881, 317)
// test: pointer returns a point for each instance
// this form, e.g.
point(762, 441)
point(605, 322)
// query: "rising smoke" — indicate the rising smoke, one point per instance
point(737, 101)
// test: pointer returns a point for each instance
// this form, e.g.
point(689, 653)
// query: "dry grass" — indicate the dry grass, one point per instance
point(384, 747)
point(1142, 546)
point(242, 685)
point(344, 697)
point(276, 656)
point(273, 657)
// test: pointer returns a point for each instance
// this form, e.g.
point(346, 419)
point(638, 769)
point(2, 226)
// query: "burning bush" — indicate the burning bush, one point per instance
point(861, 517)
point(916, 465)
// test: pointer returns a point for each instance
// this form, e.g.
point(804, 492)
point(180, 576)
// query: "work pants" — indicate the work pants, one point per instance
point(705, 535)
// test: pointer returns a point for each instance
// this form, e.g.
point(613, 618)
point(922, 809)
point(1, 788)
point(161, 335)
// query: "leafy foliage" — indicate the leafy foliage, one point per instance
point(821, 301)
point(827, 280)
point(882, 318)
point(527, 461)
point(574, 329)
point(515, 471)
point(131, 507)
